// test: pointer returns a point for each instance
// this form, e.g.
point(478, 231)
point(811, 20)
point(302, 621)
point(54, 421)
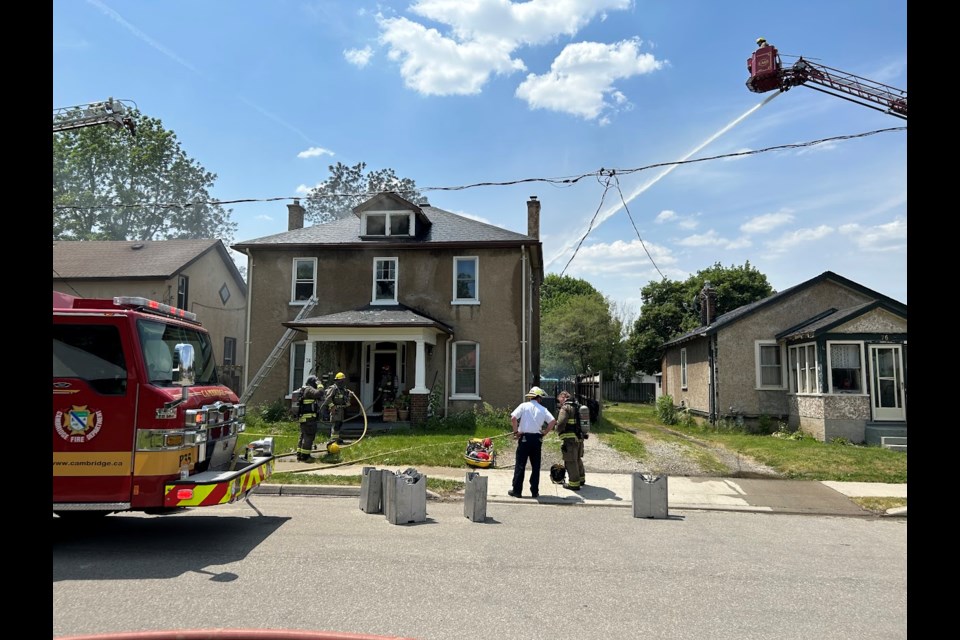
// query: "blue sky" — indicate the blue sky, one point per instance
point(454, 93)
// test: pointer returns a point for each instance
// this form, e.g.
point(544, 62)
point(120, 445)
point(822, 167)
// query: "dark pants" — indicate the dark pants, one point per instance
point(528, 448)
point(308, 431)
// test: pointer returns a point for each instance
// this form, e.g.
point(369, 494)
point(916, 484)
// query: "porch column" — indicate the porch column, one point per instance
point(420, 370)
point(308, 355)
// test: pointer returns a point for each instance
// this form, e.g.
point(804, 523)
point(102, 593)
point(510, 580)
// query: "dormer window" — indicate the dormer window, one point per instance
point(387, 223)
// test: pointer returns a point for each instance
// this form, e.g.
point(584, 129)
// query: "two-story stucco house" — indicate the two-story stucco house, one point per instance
point(452, 304)
point(828, 356)
point(195, 275)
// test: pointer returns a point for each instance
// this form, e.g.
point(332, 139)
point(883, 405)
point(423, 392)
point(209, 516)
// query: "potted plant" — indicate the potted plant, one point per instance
point(389, 411)
point(403, 406)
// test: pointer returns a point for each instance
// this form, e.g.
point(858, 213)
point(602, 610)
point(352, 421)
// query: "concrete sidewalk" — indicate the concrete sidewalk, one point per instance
point(616, 490)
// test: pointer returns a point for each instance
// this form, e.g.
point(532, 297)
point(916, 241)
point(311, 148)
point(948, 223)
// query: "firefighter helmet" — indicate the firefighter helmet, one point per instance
point(340, 376)
point(333, 448)
point(761, 42)
point(557, 473)
point(311, 382)
point(536, 392)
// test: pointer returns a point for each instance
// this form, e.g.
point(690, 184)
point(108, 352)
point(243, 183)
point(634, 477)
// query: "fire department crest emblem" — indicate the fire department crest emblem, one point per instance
point(78, 424)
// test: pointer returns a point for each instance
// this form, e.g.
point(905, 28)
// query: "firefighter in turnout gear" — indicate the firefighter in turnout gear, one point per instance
point(336, 400)
point(571, 440)
point(311, 394)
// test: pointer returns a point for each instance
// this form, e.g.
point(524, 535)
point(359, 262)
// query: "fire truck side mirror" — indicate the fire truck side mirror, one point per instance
point(185, 374)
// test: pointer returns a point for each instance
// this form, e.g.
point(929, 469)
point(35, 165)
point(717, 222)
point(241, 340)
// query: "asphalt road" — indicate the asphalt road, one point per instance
point(320, 563)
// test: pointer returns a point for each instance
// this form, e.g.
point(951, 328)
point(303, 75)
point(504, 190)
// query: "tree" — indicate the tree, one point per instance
point(579, 331)
point(109, 185)
point(670, 308)
point(335, 197)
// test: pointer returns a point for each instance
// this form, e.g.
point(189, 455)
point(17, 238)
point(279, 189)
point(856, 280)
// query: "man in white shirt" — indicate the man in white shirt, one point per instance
point(528, 421)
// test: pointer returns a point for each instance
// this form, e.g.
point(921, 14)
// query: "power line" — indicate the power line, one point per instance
point(564, 181)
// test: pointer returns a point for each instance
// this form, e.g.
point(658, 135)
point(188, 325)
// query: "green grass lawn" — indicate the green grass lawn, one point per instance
point(441, 443)
point(803, 459)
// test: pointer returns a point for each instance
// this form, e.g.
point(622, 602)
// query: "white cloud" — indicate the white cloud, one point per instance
point(432, 64)
point(533, 22)
point(708, 239)
point(314, 152)
point(580, 80)
point(793, 239)
point(891, 236)
point(684, 222)
point(264, 216)
point(358, 57)
point(665, 215)
point(480, 39)
point(304, 189)
point(766, 222)
point(620, 259)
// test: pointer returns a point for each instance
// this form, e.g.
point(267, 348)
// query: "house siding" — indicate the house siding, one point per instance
point(207, 274)
point(735, 348)
point(425, 284)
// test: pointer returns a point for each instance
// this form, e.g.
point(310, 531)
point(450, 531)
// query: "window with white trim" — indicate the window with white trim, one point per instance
point(465, 270)
point(183, 292)
point(304, 283)
point(803, 368)
point(846, 370)
point(683, 368)
point(229, 351)
point(466, 370)
point(297, 352)
point(387, 223)
point(384, 281)
point(769, 358)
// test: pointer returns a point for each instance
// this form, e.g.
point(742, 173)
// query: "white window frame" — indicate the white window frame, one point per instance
point(475, 299)
point(396, 280)
point(759, 347)
point(683, 369)
point(829, 376)
point(454, 395)
point(803, 372)
point(294, 281)
point(295, 379)
point(388, 223)
point(229, 349)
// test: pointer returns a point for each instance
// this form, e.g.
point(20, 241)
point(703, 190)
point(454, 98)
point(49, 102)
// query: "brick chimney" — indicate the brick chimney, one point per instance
point(533, 217)
point(708, 304)
point(294, 215)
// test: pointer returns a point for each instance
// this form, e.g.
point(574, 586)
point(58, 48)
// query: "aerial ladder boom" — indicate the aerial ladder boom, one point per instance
point(112, 112)
point(768, 73)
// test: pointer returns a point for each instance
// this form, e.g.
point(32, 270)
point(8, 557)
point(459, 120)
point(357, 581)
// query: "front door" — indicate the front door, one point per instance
point(378, 354)
point(887, 388)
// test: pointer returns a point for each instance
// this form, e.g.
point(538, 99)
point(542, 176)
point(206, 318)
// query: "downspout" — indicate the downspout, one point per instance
point(524, 343)
point(246, 340)
point(711, 354)
point(446, 377)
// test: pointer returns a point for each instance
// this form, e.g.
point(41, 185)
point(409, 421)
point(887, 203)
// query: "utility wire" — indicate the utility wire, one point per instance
point(627, 209)
point(557, 181)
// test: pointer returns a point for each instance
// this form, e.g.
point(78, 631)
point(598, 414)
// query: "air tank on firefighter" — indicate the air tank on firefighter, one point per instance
point(584, 418)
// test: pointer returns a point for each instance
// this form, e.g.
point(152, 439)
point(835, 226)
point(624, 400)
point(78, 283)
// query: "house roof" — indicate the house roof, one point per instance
point(371, 316)
point(832, 318)
point(445, 228)
point(134, 259)
point(742, 312)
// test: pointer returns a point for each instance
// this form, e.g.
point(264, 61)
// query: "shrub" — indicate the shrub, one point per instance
point(276, 411)
point(666, 412)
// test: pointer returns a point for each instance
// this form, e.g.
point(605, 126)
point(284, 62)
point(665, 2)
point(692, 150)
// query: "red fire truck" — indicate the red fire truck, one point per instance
point(140, 420)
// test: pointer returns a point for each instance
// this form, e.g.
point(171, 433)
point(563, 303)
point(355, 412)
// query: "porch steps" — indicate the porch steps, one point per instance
point(895, 443)
point(875, 432)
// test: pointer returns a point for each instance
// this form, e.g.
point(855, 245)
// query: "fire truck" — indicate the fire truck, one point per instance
point(140, 419)
point(767, 73)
